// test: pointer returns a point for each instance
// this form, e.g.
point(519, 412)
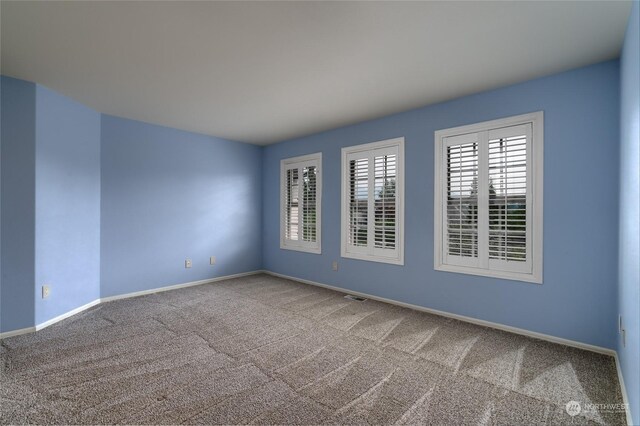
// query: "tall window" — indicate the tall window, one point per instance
point(300, 196)
point(372, 201)
point(488, 198)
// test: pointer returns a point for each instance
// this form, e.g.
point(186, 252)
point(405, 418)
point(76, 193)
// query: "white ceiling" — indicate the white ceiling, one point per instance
point(263, 72)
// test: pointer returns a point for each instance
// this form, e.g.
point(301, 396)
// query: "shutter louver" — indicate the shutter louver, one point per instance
point(508, 198)
point(358, 201)
point(292, 213)
point(462, 200)
point(309, 204)
point(385, 201)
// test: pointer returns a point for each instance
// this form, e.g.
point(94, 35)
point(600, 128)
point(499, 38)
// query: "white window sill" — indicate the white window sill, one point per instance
point(313, 250)
point(516, 276)
point(371, 258)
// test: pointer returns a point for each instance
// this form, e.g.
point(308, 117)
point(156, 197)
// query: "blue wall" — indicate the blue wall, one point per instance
point(67, 204)
point(168, 195)
point(50, 204)
point(18, 100)
point(629, 245)
point(578, 298)
point(157, 195)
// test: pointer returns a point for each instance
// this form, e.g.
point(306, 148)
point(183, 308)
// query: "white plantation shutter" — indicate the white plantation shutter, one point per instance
point(486, 195)
point(292, 207)
point(461, 207)
point(358, 202)
point(489, 199)
point(372, 201)
point(385, 229)
point(309, 199)
point(300, 203)
point(509, 196)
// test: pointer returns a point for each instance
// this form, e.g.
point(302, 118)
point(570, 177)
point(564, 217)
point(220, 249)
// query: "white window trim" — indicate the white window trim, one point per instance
point(344, 219)
point(303, 246)
point(536, 171)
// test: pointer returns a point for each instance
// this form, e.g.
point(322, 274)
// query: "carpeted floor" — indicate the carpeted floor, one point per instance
point(265, 350)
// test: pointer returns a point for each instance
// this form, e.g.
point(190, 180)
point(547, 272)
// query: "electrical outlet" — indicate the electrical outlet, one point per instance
point(334, 265)
point(187, 263)
point(212, 260)
point(46, 291)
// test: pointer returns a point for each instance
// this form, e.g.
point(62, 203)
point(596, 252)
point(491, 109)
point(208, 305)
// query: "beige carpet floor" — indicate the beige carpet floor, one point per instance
point(265, 350)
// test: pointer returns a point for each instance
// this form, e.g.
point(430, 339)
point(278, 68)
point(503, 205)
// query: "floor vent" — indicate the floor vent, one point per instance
point(356, 298)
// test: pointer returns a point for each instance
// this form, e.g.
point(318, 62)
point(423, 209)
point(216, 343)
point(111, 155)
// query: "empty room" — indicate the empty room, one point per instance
point(320, 212)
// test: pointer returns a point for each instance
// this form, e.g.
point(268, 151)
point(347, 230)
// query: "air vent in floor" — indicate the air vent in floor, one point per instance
point(356, 298)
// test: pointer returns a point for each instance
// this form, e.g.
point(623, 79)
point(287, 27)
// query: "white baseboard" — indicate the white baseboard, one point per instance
point(18, 332)
point(623, 388)
point(484, 323)
point(66, 315)
point(177, 286)
point(75, 311)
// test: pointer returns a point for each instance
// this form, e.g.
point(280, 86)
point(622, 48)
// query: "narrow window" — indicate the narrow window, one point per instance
point(488, 198)
point(372, 201)
point(300, 203)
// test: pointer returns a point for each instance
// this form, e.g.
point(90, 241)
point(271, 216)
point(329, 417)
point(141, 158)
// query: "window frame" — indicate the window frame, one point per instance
point(535, 172)
point(371, 253)
point(301, 162)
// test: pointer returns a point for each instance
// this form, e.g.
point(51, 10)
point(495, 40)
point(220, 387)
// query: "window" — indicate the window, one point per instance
point(488, 198)
point(300, 201)
point(373, 201)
